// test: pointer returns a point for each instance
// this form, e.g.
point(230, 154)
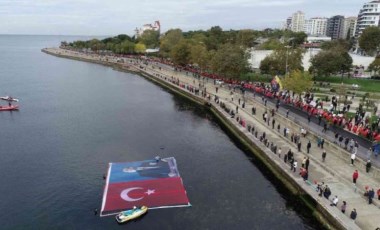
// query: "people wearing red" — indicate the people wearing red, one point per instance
point(355, 176)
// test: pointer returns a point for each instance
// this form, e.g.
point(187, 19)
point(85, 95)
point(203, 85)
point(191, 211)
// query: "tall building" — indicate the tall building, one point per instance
point(349, 27)
point(298, 21)
point(288, 23)
point(335, 27)
point(316, 26)
point(369, 15)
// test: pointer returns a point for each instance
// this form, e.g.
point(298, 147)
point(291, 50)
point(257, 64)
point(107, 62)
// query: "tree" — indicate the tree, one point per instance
point(246, 38)
point(169, 40)
point(298, 81)
point(215, 38)
point(140, 48)
point(329, 62)
point(271, 44)
point(96, 45)
point(369, 40)
point(298, 39)
point(375, 65)
point(276, 62)
point(127, 47)
point(150, 38)
point(200, 56)
point(340, 44)
point(180, 54)
point(230, 61)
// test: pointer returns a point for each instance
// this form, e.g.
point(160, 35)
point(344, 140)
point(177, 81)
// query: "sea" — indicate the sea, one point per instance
point(76, 117)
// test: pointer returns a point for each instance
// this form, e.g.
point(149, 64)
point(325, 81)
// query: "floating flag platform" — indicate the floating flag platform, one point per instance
point(154, 183)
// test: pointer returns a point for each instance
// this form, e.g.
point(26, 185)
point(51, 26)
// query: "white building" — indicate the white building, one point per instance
point(298, 21)
point(349, 27)
point(369, 15)
point(316, 26)
point(156, 26)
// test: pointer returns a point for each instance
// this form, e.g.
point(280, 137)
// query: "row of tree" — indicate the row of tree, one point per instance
point(226, 52)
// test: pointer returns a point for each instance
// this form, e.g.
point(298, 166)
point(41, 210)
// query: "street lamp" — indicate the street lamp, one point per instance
point(287, 56)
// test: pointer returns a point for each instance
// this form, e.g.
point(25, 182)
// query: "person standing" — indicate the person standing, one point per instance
point(303, 162)
point(273, 123)
point(308, 146)
point(353, 156)
point(354, 214)
point(299, 146)
point(278, 127)
point(294, 166)
point(324, 155)
point(285, 158)
point(368, 166)
point(287, 113)
point(343, 207)
point(307, 163)
point(371, 195)
point(322, 142)
point(279, 152)
point(355, 176)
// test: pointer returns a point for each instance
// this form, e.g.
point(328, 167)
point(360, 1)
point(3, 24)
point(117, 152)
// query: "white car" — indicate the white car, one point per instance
point(355, 86)
point(219, 82)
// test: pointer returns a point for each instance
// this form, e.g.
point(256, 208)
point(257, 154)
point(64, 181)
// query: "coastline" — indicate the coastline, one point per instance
point(319, 207)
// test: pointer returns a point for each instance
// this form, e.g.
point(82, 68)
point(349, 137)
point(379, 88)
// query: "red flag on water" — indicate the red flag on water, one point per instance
point(152, 193)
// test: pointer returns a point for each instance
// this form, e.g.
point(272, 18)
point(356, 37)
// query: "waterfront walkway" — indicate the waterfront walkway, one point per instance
point(335, 172)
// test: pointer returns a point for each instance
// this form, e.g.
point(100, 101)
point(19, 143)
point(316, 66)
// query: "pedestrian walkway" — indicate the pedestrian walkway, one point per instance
point(335, 172)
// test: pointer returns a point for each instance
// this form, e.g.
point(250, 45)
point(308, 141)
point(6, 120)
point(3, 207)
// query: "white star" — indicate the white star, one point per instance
point(150, 192)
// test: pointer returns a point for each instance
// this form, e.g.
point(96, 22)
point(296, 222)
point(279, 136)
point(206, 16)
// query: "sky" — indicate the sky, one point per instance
point(112, 17)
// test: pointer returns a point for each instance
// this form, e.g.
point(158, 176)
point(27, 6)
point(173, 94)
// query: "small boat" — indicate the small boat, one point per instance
point(131, 214)
point(8, 98)
point(9, 108)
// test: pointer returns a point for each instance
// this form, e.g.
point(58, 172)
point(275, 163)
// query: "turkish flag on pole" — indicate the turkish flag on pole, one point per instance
point(151, 193)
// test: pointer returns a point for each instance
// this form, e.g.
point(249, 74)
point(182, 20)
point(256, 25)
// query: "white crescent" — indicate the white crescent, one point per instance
point(124, 194)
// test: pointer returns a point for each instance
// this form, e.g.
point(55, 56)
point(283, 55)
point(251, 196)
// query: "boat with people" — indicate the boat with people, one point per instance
point(131, 214)
point(8, 108)
point(9, 98)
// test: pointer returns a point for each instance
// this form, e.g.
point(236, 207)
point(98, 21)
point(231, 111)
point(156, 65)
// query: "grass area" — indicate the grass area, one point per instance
point(367, 85)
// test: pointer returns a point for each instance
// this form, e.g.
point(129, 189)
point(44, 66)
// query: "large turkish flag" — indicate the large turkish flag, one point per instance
point(151, 193)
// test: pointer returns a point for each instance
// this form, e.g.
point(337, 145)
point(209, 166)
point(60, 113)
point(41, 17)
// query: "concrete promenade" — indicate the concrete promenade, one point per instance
point(335, 172)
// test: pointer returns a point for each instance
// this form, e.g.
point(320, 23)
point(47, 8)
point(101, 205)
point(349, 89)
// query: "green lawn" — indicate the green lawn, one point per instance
point(367, 85)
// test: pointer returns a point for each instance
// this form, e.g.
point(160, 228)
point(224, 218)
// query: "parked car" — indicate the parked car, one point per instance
point(355, 86)
point(219, 82)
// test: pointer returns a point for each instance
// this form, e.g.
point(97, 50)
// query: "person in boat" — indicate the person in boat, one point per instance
point(9, 103)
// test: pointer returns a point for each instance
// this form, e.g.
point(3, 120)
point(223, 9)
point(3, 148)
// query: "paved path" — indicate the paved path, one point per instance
point(335, 171)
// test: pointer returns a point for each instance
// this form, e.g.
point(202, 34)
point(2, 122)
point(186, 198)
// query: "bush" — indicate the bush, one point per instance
point(332, 90)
